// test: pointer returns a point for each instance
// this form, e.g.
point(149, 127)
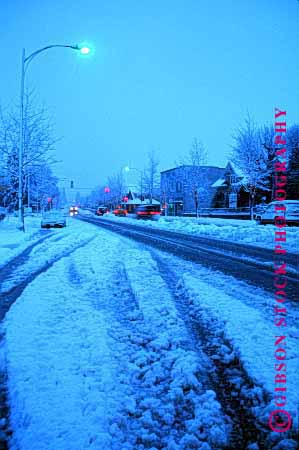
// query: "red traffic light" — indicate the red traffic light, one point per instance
point(106, 189)
point(125, 199)
point(49, 199)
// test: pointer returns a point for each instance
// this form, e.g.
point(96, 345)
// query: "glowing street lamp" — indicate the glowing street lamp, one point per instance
point(84, 51)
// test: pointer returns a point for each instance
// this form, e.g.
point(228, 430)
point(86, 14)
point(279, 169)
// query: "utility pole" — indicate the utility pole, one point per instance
point(21, 224)
point(84, 50)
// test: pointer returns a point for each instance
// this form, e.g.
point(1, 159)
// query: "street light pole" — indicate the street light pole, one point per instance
point(21, 146)
point(84, 50)
point(127, 169)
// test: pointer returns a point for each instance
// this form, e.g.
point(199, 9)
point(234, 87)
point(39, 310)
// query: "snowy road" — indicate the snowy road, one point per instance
point(110, 344)
point(251, 264)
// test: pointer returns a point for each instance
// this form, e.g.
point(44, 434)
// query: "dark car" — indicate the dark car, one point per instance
point(148, 212)
point(102, 210)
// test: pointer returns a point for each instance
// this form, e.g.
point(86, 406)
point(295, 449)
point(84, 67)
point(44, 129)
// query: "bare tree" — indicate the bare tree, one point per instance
point(194, 160)
point(152, 175)
point(251, 157)
point(39, 143)
point(197, 155)
point(117, 186)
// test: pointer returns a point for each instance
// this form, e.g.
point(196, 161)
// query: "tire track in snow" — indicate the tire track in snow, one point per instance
point(223, 374)
point(7, 298)
point(6, 271)
point(171, 405)
point(19, 260)
point(73, 321)
point(250, 270)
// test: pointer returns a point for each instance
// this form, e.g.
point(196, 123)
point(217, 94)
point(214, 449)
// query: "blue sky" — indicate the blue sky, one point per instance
point(162, 73)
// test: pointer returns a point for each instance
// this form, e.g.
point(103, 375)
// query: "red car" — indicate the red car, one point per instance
point(148, 212)
point(120, 212)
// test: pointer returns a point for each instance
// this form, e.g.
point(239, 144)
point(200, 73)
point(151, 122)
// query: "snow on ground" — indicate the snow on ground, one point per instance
point(170, 367)
point(251, 335)
point(72, 377)
point(61, 360)
point(13, 241)
point(98, 357)
point(243, 231)
point(60, 242)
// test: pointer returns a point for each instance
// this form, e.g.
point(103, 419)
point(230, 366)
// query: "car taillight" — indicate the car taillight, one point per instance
point(154, 212)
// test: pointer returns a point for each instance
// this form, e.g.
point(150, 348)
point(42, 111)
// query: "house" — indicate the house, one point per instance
point(131, 201)
point(229, 190)
point(183, 186)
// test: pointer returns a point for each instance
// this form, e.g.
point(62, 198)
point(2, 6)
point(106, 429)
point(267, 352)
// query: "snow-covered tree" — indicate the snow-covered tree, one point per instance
point(251, 157)
point(39, 143)
point(43, 185)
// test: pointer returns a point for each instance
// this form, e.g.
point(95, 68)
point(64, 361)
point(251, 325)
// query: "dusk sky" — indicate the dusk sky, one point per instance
point(163, 72)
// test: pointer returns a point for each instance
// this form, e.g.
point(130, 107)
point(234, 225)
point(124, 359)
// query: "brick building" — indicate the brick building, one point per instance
point(180, 186)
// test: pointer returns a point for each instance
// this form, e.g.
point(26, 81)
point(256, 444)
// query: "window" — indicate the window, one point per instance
point(178, 186)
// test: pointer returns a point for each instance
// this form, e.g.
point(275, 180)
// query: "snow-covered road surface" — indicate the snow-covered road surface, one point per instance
point(234, 230)
point(241, 261)
point(100, 352)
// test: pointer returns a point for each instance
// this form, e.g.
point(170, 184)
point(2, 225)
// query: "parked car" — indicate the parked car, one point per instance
point(148, 212)
point(2, 212)
point(291, 214)
point(53, 219)
point(120, 212)
point(102, 210)
point(74, 210)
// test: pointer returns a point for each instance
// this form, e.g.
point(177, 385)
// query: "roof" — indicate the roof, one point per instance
point(218, 183)
point(236, 169)
point(191, 165)
point(137, 201)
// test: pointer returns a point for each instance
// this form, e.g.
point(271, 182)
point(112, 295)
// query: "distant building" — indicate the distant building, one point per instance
point(132, 201)
point(214, 187)
point(181, 185)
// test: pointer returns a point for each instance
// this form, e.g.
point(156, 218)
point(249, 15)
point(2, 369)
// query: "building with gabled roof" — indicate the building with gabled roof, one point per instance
point(133, 201)
point(230, 191)
point(180, 186)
